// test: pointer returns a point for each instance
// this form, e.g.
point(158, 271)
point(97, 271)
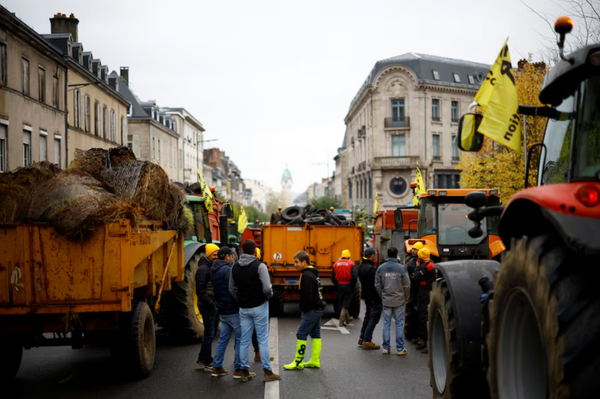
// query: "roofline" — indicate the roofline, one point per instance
point(103, 84)
point(188, 116)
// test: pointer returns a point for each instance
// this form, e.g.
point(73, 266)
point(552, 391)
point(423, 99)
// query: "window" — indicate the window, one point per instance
point(43, 146)
point(446, 178)
point(105, 121)
point(399, 145)
point(3, 147)
point(159, 150)
point(398, 111)
point(436, 75)
point(25, 75)
point(113, 125)
point(76, 115)
point(87, 113)
point(98, 120)
point(26, 148)
point(370, 187)
point(456, 77)
point(471, 79)
point(398, 186)
point(123, 130)
point(454, 111)
point(454, 148)
point(130, 110)
point(57, 152)
point(435, 109)
point(42, 84)
point(349, 190)
point(56, 92)
point(2, 63)
point(153, 148)
point(436, 146)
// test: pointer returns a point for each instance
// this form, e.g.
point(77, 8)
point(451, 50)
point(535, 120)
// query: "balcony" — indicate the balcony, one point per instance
point(361, 166)
point(406, 162)
point(400, 124)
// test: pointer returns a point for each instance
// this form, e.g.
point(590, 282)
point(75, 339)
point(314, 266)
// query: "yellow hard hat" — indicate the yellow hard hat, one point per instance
point(210, 249)
point(423, 254)
point(418, 245)
point(258, 253)
point(346, 254)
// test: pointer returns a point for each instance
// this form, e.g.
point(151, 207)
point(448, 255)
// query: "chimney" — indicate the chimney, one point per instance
point(61, 24)
point(125, 74)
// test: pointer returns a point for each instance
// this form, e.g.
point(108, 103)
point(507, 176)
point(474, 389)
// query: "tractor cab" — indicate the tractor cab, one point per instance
point(208, 227)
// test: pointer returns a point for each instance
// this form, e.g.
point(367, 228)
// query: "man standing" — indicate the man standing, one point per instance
point(312, 306)
point(251, 286)
point(424, 277)
point(229, 313)
point(393, 285)
point(206, 305)
point(366, 274)
point(344, 275)
point(411, 305)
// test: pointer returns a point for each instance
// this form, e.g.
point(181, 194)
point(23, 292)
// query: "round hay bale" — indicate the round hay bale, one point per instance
point(92, 161)
point(141, 182)
point(179, 216)
point(120, 155)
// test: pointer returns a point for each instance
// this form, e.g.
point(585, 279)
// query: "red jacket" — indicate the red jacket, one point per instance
point(344, 272)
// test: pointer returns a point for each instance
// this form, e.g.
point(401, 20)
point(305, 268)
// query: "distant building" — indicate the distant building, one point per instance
point(286, 188)
point(191, 143)
point(257, 194)
point(226, 176)
point(406, 112)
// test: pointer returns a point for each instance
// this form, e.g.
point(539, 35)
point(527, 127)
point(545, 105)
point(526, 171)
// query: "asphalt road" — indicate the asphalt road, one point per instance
point(346, 371)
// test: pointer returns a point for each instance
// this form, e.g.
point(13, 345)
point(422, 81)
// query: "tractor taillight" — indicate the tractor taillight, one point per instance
point(589, 196)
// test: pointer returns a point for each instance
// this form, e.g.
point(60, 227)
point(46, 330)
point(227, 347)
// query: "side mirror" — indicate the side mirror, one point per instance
point(476, 199)
point(469, 138)
point(398, 219)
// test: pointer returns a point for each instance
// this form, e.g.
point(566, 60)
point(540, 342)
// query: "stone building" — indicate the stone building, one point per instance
point(226, 176)
point(191, 143)
point(406, 113)
point(33, 74)
point(97, 113)
point(257, 194)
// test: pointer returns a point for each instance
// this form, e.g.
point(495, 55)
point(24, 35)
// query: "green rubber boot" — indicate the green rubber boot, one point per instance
point(315, 356)
point(300, 352)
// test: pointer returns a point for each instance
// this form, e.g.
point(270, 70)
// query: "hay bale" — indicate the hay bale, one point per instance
point(93, 161)
point(75, 203)
point(143, 183)
point(120, 155)
point(179, 216)
point(16, 188)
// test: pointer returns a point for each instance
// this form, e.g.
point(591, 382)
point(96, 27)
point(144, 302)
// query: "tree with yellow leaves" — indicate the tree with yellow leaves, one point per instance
point(497, 166)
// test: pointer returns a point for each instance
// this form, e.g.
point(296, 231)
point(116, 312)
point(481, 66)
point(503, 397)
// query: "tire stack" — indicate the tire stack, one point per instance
point(297, 215)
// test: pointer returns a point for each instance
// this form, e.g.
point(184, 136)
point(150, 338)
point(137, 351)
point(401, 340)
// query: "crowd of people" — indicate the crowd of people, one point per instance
point(237, 294)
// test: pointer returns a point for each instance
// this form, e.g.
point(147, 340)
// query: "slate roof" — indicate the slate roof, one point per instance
point(423, 66)
point(136, 106)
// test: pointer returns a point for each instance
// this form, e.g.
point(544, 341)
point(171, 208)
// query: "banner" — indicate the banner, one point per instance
point(498, 98)
point(376, 203)
point(206, 193)
point(420, 187)
point(242, 220)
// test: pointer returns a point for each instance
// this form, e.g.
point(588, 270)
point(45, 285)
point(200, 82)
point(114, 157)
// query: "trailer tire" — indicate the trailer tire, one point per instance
point(142, 340)
point(292, 212)
point(10, 361)
point(551, 292)
point(355, 306)
point(181, 313)
point(276, 303)
point(315, 221)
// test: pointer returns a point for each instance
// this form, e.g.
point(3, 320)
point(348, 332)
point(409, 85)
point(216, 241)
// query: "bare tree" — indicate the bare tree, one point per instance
point(586, 18)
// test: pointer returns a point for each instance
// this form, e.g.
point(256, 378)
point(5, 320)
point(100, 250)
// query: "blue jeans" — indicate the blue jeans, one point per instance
point(310, 324)
point(398, 314)
point(210, 315)
point(372, 316)
point(230, 324)
point(250, 319)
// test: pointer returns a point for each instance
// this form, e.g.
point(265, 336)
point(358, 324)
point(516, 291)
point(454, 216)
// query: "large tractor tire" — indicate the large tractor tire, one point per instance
point(544, 339)
point(180, 305)
point(142, 341)
point(10, 359)
point(355, 305)
point(276, 303)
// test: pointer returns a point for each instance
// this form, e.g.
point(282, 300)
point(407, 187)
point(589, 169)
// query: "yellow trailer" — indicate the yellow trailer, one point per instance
point(104, 290)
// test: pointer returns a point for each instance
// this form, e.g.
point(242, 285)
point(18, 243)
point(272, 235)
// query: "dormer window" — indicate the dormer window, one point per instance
point(471, 79)
point(130, 110)
point(152, 114)
point(436, 75)
point(456, 77)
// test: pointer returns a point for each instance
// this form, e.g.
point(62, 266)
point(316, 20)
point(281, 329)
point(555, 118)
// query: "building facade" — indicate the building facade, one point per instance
point(191, 143)
point(405, 115)
point(33, 76)
point(257, 194)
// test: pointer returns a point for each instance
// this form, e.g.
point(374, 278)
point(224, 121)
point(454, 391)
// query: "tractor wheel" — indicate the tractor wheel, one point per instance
point(142, 341)
point(544, 325)
point(448, 380)
point(10, 361)
point(180, 305)
point(276, 303)
point(355, 305)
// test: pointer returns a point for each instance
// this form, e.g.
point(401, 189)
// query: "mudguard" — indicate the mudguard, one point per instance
point(191, 249)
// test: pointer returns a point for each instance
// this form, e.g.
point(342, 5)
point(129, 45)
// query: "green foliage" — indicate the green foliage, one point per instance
point(363, 217)
point(251, 213)
point(273, 201)
point(326, 202)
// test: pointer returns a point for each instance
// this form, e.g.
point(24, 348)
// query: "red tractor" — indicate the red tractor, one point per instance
point(530, 327)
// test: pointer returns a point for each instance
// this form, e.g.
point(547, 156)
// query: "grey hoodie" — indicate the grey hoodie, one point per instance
point(263, 274)
point(392, 283)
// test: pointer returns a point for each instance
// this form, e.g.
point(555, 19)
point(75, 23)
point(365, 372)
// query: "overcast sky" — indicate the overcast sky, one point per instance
point(272, 80)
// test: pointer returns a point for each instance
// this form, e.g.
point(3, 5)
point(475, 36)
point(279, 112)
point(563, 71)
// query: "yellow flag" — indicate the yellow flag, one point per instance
point(242, 220)
point(498, 98)
point(376, 202)
point(206, 193)
point(420, 187)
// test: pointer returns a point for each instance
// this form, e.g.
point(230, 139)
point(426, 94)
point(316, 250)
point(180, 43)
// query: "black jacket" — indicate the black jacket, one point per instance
point(425, 275)
point(366, 274)
point(204, 286)
point(311, 295)
point(411, 264)
point(221, 272)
